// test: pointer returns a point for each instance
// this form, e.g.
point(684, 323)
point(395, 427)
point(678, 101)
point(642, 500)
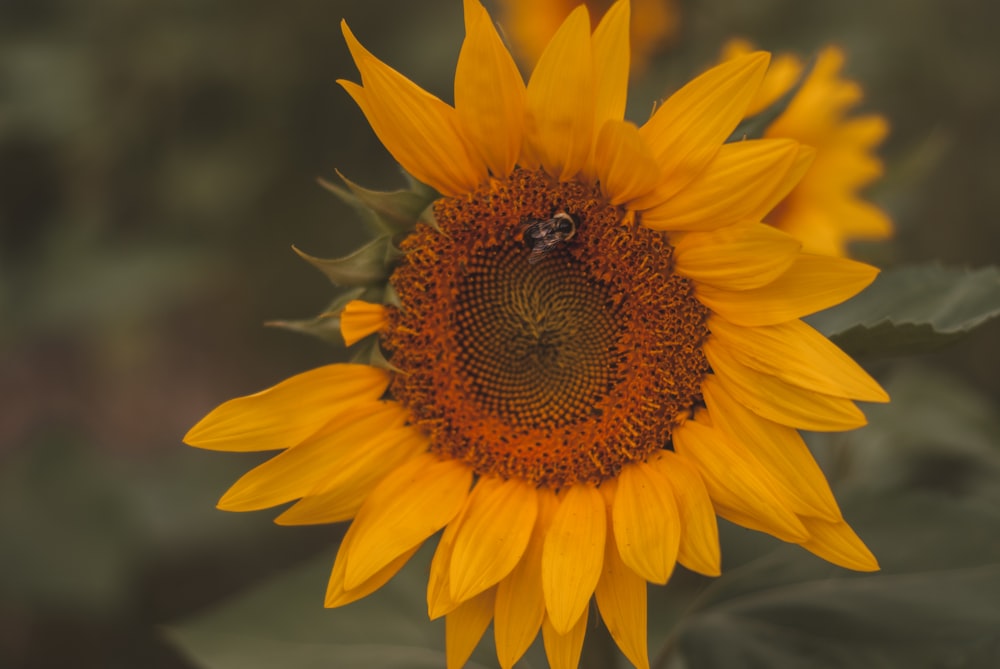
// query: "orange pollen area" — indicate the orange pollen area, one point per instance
point(555, 354)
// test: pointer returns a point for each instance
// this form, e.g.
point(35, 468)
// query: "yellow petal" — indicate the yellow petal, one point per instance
point(489, 93)
point(837, 543)
point(740, 488)
point(345, 488)
point(560, 122)
point(798, 354)
point(792, 177)
point(409, 505)
point(778, 448)
point(699, 546)
point(360, 319)
point(781, 75)
point(563, 650)
point(774, 399)
point(688, 129)
point(646, 522)
point(623, 163)
point(864, 220)
point(621, 599)
point(337, 595)
point(520, 605)
point(494, 534)
point(439, 600)
point(610, 45)
point(729, 189)
point(420, 131)
point(736, 257)
point(464, 627)
point(813, 283)
point(297, 471)
point(572, 555)
point(289, 412)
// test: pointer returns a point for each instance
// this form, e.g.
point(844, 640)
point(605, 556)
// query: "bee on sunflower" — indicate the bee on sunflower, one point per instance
point(573, 422)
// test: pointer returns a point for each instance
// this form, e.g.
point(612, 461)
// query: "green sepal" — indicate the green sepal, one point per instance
point(420, 188)
point(431, 220)
point(370, 264)
point(912, 310)
point(366, 271)
point(325, 326)
point(390, 297)
point(755, 126)
point(368, 352)
point(389, 212)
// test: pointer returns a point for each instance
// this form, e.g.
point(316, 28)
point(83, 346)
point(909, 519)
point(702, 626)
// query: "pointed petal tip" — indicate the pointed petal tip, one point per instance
point(756, 59)
point(839, 544)
point(353, 45)
point(860, 559)
point(190, 437)
point(240, 498)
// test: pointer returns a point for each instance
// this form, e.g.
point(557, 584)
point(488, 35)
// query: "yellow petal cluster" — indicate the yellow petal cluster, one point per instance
point(530, 25)
point(825, 210)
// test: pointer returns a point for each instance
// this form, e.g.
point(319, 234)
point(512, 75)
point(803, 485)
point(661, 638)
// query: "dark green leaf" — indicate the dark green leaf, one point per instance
point(283, 624)
point(913, 309)
point(935, 604)
point(936, 434)
point(288, 612)
point(935, 620)
point(922, 483)
point(250, 652)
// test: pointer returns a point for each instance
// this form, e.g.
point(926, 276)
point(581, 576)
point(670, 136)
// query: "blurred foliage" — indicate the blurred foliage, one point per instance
point(920, 484)
point(157, 161)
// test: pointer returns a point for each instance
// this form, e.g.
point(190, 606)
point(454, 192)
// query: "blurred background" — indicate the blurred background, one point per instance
point(157, 161)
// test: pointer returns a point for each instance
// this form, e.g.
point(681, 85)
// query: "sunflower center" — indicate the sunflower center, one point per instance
point(543, 334)
point(534, 340)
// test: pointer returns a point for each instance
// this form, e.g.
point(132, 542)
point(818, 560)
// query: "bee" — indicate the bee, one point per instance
point(544, 235)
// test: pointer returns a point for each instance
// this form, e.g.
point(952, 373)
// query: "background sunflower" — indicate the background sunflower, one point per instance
point(158, 157)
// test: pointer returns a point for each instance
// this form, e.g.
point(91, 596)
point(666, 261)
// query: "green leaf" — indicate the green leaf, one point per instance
point(249, 652)
point(283, 624)
point(913, 309)
point(921, 620)
point(287, 613)
point(936, 434)
point(921, 490)
point(934, 604)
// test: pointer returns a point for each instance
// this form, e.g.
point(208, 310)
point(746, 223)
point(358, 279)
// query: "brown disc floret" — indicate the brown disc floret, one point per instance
point(553, 359)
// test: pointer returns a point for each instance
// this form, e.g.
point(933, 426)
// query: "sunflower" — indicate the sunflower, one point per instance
point(594, 349)
point(530, 25)
point(824, 211)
